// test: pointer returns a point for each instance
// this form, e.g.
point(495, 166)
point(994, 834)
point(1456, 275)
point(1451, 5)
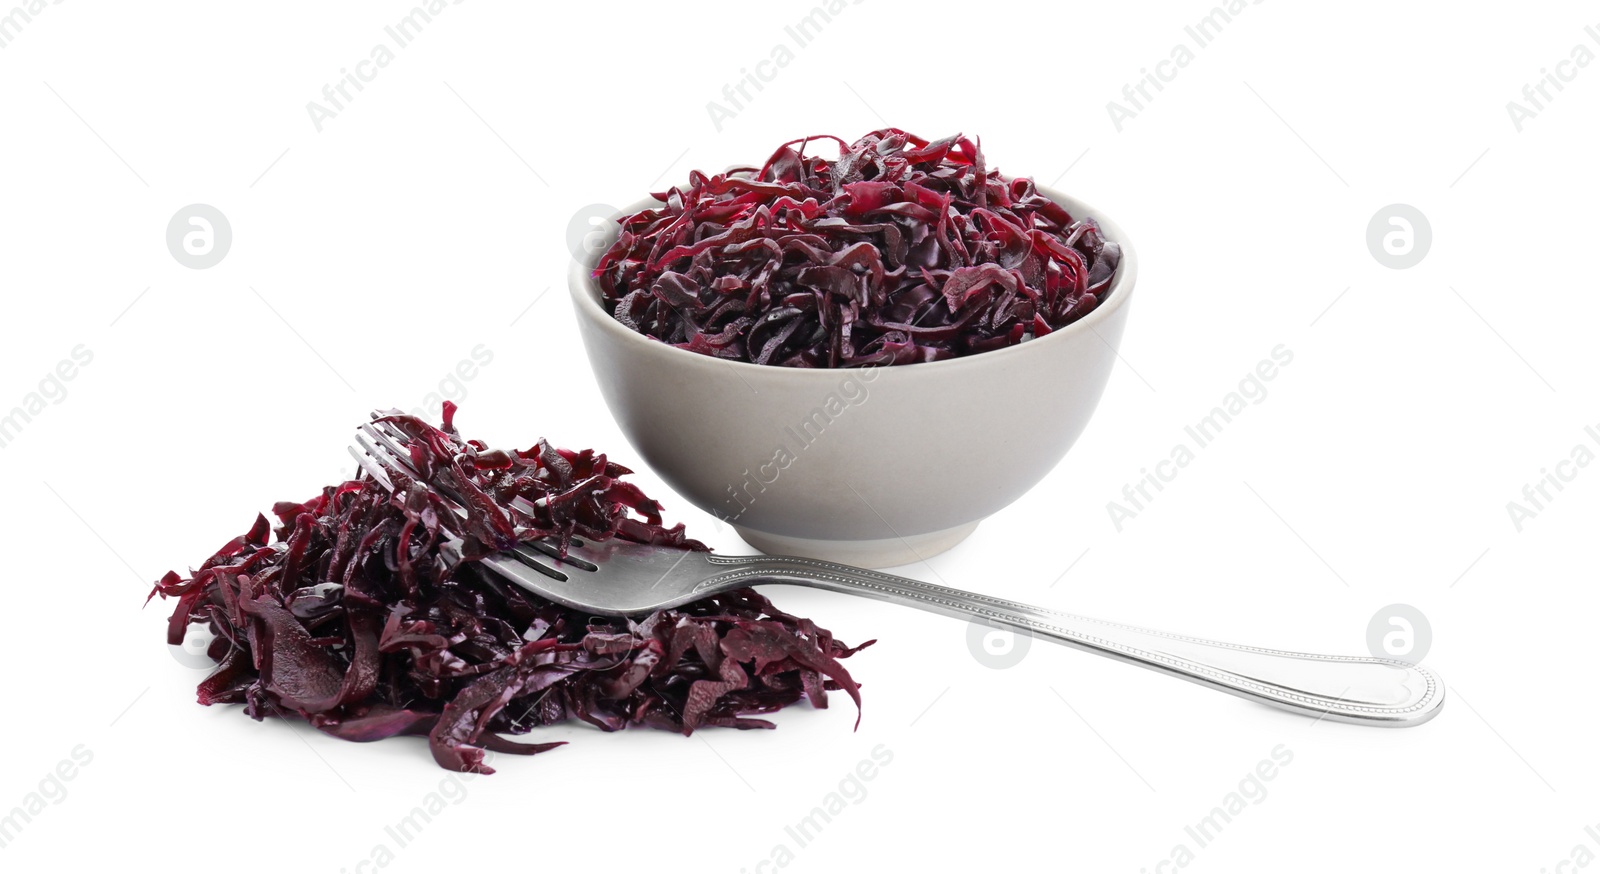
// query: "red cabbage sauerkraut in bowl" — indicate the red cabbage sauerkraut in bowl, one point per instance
point(855, 358)
point(897, 251)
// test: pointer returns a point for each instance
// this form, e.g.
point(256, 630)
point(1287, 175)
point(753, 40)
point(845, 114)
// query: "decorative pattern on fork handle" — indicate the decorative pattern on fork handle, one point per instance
point(1355, 689)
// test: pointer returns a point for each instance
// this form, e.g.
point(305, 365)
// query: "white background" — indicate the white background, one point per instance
point(428, 215)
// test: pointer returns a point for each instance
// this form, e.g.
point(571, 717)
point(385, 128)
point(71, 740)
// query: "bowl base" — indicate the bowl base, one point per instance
point(890, 552)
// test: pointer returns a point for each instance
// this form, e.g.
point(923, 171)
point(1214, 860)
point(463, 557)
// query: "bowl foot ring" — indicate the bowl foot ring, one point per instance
point(890, 552)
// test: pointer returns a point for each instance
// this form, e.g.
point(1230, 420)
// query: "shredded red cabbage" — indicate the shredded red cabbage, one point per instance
point(901, 250)
point(352, 620)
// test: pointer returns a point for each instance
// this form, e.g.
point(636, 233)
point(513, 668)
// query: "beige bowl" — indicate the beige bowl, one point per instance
point(876, 466)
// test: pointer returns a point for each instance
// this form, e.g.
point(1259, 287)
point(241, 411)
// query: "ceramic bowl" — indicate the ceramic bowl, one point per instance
point(875, 466)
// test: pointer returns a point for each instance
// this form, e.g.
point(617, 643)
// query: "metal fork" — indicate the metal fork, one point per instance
point(618, 578)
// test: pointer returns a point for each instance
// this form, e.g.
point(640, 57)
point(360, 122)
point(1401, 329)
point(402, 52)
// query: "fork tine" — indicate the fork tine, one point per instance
point(400, 454)
point(513, 570)
point(397, 456)
point(551, 551)
point(383, 432)
point(527, 559)
point(385, 459)
point(373, 469)
point(395, 440)
point(507, 565)
point(389, 454)
point(389, 430)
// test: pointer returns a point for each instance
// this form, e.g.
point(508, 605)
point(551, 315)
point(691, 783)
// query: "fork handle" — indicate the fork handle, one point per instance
point(1353, 689)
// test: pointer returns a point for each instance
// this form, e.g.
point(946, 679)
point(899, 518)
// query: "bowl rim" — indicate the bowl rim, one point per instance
point(586, 295)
